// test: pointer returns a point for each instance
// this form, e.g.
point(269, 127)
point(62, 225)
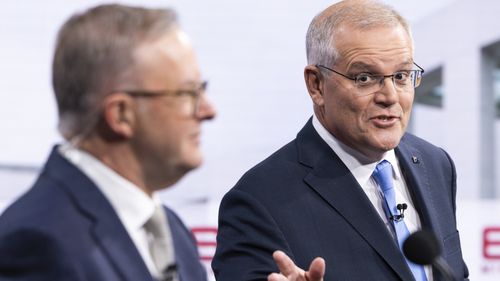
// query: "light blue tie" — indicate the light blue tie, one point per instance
point(383, 176)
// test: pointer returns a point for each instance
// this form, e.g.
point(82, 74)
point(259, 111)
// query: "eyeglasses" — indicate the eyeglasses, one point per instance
point(194, 94)
point(403, 80)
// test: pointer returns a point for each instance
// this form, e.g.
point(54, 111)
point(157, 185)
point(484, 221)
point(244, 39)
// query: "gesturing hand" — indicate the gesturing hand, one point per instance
point(290, 272)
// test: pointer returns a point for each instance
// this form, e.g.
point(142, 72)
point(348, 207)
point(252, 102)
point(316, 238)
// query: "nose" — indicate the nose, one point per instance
point(206, 109)
point(387, 94)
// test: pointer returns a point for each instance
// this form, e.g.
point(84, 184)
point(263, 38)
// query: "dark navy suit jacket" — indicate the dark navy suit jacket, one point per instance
point(64, 228)
point(303, 200)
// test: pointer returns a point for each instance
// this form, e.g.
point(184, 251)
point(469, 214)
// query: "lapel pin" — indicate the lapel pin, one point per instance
point(415, 159)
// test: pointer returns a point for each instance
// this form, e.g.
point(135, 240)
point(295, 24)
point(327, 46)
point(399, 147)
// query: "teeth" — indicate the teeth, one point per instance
point(383, 118)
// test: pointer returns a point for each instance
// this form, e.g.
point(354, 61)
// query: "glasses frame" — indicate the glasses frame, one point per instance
point(381, 77)
point(195, 94)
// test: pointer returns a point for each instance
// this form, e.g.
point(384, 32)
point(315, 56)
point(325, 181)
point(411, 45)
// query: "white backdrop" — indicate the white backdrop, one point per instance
point(253, 54)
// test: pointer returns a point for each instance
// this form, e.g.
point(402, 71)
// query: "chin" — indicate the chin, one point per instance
point(193, 162)
point(388, 140)
point(190, 157)
point(387, 145)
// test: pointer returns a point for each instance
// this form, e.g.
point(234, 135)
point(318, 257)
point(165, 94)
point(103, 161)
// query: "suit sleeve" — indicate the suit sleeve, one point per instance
point(453, 190)
point(32, 256)
point(247, 237)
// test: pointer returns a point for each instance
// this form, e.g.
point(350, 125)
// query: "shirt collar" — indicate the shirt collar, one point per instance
point(133, 206)
point(358, 164)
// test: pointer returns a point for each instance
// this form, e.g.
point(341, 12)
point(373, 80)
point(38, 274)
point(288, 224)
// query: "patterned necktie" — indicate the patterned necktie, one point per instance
point(160, 245)
point(383, 177)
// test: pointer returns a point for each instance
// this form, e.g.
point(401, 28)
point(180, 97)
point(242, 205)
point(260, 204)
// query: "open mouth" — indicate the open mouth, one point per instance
point(385, 120)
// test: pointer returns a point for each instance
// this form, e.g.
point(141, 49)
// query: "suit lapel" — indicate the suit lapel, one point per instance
point(121, 251)
point(109, 233)
point(416, 175)
point(332, 180)
point(185, 264)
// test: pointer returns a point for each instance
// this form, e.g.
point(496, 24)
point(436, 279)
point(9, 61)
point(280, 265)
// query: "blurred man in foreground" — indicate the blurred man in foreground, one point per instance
point(131, 102)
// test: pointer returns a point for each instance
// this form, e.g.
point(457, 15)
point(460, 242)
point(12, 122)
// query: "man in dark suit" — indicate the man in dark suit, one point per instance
point(131, 103)
point(321, 200)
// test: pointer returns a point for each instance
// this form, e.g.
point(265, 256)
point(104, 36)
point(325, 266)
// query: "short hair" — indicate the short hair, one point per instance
point(93, 50)
point(360, 14)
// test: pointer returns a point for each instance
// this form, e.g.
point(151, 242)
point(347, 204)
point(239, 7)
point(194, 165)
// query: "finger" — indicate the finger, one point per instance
point(275, 277)
point(316, 270)
point(285, 264)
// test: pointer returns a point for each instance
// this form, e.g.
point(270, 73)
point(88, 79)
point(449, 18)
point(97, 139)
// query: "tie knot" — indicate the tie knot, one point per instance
point(383, 175)
point(157, 223)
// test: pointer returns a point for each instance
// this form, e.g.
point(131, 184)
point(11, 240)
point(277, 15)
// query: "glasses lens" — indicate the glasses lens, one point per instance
point(417, 77)
point(201, 90)
point(401, 81)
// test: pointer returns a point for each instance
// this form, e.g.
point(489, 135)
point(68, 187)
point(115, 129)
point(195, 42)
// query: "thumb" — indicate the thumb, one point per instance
point(316, 270)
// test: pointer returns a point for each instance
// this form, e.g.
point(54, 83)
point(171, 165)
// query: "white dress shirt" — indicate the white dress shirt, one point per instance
point(362, 169)
point(133, 206)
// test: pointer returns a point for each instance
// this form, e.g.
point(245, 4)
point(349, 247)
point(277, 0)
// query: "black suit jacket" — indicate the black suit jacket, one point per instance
point(303, 200)
point(64, 228)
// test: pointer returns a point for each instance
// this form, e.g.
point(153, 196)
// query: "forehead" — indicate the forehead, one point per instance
point(381, 46)
point(170, 58)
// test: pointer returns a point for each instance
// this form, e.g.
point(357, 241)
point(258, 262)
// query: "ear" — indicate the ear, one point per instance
point(314, 83)
point(119, 114)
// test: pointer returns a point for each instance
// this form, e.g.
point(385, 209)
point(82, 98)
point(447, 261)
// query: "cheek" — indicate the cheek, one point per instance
point(182, 135)
point(346, 117)
point(345, 112)
point(165, 131)
point(407, 103)
point(351, 111)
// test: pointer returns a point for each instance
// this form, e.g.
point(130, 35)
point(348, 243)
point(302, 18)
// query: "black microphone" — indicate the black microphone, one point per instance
point(422, 247)
point(170, 273)
point(401, 208)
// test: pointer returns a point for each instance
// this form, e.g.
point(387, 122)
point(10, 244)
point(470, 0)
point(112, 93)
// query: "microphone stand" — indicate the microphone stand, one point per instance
point(445, 270)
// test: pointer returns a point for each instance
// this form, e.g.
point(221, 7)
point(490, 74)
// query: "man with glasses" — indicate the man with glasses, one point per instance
point(131, 102)
point(339, 200)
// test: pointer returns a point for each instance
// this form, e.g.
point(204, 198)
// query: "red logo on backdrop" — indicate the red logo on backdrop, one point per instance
point(491, 243)
point(206, 241)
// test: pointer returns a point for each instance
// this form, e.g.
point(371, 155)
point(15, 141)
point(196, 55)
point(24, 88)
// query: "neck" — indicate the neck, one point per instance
point(118, 157)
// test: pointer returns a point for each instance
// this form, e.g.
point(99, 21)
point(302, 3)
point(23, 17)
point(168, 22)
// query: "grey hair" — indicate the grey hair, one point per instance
point(94, 50)
point(360, 14)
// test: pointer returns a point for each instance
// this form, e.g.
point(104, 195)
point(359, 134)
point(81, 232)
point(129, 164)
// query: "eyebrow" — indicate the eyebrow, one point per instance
point(361, 66)
point(191, 83)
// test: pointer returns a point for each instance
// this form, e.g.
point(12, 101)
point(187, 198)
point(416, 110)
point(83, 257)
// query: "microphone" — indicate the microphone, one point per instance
point(401, 208)
point(170, 273)
point(422, 247)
